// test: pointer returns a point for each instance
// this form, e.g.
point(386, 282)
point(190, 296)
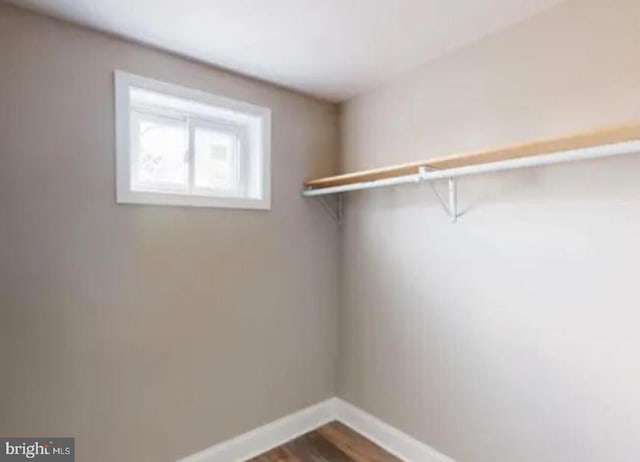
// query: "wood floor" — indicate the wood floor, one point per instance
point(333, 442)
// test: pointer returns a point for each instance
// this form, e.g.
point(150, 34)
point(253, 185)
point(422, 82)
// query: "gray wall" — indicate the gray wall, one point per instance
point(513, 335)
point(149, 333)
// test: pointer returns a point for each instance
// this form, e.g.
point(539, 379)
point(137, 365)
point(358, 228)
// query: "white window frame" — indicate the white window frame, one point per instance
point(126, 193)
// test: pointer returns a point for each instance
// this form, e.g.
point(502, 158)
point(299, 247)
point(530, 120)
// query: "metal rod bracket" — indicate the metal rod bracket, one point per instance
point(453, 200)
point(451, 205)
point(335, 212)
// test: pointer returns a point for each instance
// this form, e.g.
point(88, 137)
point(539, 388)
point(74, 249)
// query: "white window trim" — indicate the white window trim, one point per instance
point(125, 195)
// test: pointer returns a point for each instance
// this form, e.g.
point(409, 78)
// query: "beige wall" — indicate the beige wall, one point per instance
point(512, 335)
point(149, 333)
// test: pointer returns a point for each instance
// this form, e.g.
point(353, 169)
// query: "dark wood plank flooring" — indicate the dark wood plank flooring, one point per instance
point(333, 442)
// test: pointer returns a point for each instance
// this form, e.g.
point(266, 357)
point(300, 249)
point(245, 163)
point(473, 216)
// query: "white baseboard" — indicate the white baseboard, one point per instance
point(384, 435)
point(260, 440)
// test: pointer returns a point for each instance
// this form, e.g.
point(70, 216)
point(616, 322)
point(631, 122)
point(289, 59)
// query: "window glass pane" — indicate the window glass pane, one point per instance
point(217, 163)
point(162, 153)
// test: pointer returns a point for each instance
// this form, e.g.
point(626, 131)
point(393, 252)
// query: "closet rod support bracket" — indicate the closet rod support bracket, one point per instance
point(453, 200)
point(451, 205)
point(336, 212)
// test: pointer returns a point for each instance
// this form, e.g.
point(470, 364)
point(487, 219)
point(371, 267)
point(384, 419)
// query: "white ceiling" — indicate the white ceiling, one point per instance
point(333, 49)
